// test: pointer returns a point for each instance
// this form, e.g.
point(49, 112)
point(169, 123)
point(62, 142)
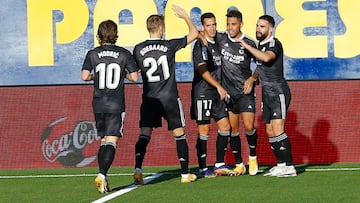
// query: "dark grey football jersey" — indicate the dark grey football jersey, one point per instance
point(156, 58)
point(272, 72)
point(236, 62)
point(210, 55)
point(110, 65)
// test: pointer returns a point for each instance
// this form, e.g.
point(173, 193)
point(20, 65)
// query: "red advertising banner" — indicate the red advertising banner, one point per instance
point(53, 127)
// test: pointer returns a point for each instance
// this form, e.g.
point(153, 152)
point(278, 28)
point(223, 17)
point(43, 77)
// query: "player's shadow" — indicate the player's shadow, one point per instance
point(307, 150)
point(323, 150)
point(166, 176)
point(301, 145)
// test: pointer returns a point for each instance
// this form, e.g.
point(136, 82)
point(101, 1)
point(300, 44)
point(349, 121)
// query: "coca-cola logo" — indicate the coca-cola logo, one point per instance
point(68, 148)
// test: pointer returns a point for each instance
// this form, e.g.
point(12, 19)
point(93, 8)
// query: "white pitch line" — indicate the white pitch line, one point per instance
point(332, 169)
point(67, 175)
point(166, 173)
point(127, 189)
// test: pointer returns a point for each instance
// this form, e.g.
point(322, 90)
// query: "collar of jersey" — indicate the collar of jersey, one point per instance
point(266, 41)
point(209, 40)
point(154, 39)
point(233, 40)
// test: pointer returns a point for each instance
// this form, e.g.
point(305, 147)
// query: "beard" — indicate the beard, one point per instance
point(260, 36)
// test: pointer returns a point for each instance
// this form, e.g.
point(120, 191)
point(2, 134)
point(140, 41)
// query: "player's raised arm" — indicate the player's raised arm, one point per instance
point(181, 13)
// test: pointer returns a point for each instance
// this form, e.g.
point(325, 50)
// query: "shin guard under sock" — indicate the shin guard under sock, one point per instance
point(235, 144)
point(183, 153)
point(140, 150)
point(201, 150)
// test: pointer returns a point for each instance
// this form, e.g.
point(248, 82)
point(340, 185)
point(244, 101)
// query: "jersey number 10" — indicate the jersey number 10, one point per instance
point(109, 75)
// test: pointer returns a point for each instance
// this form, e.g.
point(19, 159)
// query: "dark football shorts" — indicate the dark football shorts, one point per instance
point(109, 124)
point(242, 103)
point(205, 107)
point(152, 110)
point(275, 103)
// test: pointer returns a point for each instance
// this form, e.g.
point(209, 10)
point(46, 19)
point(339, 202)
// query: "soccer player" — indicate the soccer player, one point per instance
point(156, 58)
point(208, 97)
point(276, 94)
point(110, 65)
point(236, 71)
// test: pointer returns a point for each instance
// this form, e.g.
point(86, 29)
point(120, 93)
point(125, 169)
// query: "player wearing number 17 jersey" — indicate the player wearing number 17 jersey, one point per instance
point(156, 58)
point(207, 98)
point(110, 65)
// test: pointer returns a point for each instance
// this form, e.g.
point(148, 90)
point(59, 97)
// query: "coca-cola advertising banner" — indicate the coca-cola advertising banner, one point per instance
point(53, 127)
point(68, 149)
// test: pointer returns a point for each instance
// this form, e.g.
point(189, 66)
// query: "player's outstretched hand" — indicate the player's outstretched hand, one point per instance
point(179, 12)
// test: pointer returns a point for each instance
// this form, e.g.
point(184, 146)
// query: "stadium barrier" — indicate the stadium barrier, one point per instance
point(53, 127)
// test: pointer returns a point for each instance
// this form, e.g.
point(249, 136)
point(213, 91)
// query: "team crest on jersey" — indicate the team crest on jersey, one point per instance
point(69, 148)
point(217, 60)
point(207, 113)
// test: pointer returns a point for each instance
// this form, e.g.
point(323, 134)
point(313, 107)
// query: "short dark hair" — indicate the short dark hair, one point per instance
point(206, 15)
point(268, 18)
point(107, 32)
point(235, 13)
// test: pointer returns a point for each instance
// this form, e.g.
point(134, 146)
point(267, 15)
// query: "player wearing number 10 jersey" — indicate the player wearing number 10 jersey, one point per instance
point(156, 58)
point(110, 64)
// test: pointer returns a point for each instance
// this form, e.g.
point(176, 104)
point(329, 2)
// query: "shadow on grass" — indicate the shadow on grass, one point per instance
point(166, 176)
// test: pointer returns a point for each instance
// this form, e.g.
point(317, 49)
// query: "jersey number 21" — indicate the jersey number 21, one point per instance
point(154, 64)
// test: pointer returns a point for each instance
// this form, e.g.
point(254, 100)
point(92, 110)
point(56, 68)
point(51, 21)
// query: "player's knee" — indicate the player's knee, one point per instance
point(112, 139)
point(249, 128)
point(178, 132)
point(249, 125)
point(270, 132)
point(224, 127)
point(204, 129)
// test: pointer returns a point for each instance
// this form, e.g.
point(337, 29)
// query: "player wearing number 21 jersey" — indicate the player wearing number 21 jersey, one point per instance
point(156, 58)
point(160, 99)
